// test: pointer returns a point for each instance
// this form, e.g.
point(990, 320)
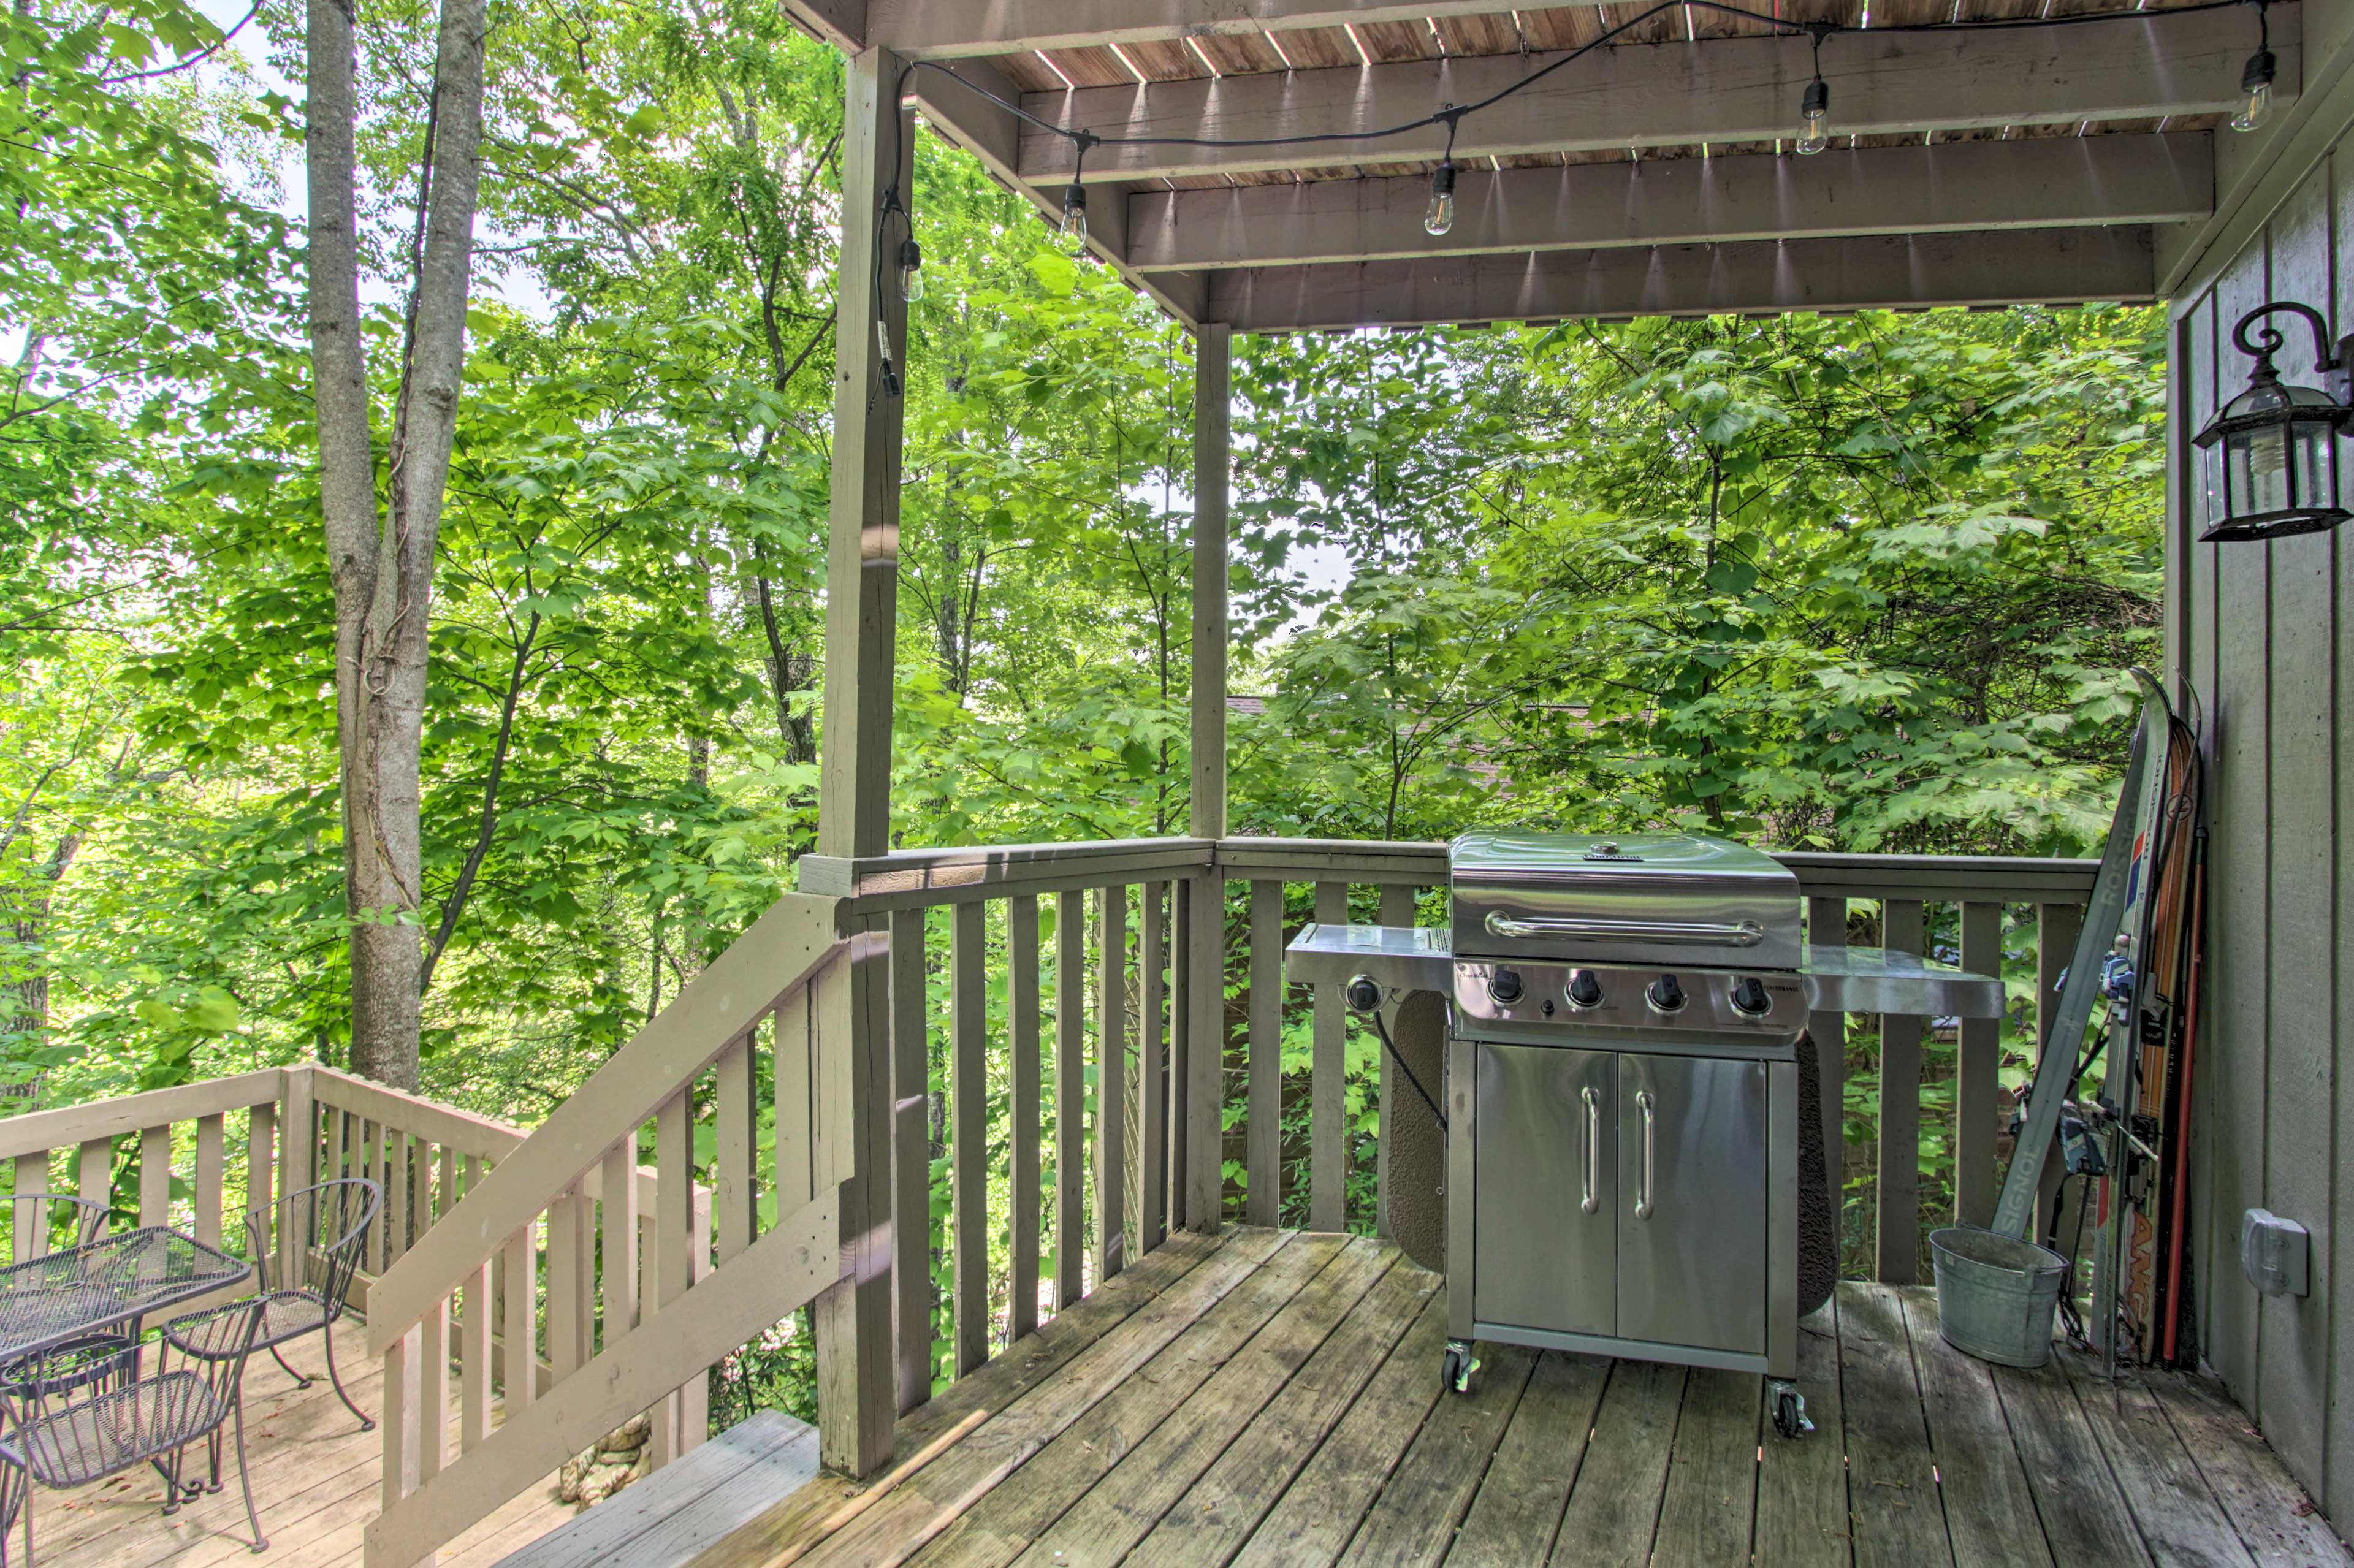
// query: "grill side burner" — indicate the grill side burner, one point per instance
point(1622, 1089)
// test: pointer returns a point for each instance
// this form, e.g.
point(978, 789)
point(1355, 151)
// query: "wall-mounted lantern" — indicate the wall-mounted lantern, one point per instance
point(2269, 457)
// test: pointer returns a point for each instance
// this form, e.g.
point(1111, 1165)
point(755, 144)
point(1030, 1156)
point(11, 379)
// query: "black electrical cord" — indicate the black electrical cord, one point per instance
point(1387, 1044)
point(1451, 115)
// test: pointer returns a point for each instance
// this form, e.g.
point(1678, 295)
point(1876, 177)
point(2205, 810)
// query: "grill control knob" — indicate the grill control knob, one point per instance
point(1666, 994)
point(1362, 994)
point(1585, 989)
point(1504, 986)
point(1749, 996)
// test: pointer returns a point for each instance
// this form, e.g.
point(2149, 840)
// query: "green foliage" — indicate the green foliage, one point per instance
point(1863, 583)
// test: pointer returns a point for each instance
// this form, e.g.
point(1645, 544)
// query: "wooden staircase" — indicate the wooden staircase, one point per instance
point(669, 1518)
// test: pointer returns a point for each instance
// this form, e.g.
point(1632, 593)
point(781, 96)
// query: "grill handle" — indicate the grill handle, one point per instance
point(1724, 934)
point(1593, 1198)
point(1644, 1103)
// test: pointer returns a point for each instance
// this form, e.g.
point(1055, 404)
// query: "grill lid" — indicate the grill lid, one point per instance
point(1635, 898)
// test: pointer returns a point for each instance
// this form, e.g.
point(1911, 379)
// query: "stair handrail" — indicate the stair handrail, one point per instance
point(783, 951)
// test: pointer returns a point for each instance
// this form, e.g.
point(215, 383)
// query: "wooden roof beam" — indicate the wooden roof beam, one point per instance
point(993, 135)
point(842, 22)
point(942, 30)
point(1715, 91)
point(1957, 186)
point(2018, 267)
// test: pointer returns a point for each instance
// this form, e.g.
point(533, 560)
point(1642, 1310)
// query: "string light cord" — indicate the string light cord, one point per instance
point(1814, 108)
point(1781, 27)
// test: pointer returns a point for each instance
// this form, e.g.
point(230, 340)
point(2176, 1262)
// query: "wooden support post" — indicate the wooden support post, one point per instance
point(857, 1402)
point(1203, 1087)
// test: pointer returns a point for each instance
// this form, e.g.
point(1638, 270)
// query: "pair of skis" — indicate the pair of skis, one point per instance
point(2136, 955)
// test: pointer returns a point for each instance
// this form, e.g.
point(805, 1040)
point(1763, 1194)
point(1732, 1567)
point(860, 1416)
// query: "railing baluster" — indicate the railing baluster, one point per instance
point(1899, 1222)
point(474, 1336)
point(1111, 1085)
point(969, 1139)
point(1022, 1004)
point(564, 1245)
point(1977, 1070)
point(260, 1159)
point(1202, 1110)
point(399, 1418)
point(1827, 929)
point(1180, 1046)
point(617, 1224)
point(1070, 1098)
point(1327, 1095)
point(32, 1176)
point(1263, 1135)
point(736, 1195)
point(155, 1176)
point(795, 1089)
point(205, 1220)
point(674, 1239)
point(94, 1170)
point(1152, 1072)
point(519, 1324)
point(433, 1393)
point(1397, 909)
point(911, 1165)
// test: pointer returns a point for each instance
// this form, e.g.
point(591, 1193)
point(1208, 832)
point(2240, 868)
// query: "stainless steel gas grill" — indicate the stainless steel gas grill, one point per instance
point(1622, 1084)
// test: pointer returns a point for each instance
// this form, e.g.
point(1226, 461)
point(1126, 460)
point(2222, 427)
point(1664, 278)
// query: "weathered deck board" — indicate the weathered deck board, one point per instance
point(1027, 1503)
point(1112, 1516)
point(1614, 1510)
point(1712, 1497)
point(1212, 1519)
point(1802, 1512)
point(1990, 1510)
point(1518, 1511)
point(1898, 1518)
point(1272, 1398)
point(315, 1482)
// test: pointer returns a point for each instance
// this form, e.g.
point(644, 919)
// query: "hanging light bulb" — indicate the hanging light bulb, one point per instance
point(2257, 78)
point(1441, 216)
point(911, 269)
point(1073, 230)
point(1814, 117)
point(2257, 91)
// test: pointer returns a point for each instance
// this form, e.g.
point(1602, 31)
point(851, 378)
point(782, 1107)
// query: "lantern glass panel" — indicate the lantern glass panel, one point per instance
point(2312, 448)
point(2210, 468)
point(2258, 471)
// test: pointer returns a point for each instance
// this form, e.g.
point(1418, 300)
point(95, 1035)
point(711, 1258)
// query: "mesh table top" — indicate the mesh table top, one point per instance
point(50, 1300)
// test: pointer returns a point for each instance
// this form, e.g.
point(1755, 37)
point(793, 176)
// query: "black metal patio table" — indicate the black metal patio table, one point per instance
point(49, 1301)
point(64, 1298)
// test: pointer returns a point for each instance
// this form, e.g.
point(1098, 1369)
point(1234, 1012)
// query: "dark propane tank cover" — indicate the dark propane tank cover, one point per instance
point(1414, 1196)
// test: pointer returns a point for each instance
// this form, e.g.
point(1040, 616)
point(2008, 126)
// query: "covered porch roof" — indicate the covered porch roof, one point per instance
point(1985, 151)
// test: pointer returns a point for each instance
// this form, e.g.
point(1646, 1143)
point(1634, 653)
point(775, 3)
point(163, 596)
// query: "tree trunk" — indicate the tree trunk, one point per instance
point(382, 559)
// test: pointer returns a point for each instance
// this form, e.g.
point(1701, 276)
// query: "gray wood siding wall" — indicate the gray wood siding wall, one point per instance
point(2258, 632)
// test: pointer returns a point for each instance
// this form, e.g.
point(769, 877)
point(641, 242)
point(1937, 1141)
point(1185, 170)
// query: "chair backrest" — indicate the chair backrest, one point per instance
point(42, 1223)
point(321, 1232)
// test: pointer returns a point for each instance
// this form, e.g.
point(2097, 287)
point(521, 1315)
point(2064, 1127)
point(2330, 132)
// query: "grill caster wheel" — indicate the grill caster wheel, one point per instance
point(1456, 1368)
point(1789, 1410)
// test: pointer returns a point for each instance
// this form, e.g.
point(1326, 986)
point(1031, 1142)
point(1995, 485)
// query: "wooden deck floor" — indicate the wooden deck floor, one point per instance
point(316, 1481)
point(1274, 1398)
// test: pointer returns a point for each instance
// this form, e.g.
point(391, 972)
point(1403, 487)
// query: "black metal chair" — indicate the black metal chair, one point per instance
point(64, 1431)
point(40, 1223)
point(321, 1232)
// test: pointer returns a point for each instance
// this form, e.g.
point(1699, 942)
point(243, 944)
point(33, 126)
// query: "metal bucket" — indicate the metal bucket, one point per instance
point(1996, 1294)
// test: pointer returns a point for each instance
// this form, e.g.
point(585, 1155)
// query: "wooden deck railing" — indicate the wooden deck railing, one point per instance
point(1111, 998)
point(618, 1282)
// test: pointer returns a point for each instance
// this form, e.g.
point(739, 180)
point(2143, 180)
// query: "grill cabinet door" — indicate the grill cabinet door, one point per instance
point(1692, 1188)
point(1544, 1207)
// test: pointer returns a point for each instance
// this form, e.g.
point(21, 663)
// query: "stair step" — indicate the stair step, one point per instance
point(664, 1519)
